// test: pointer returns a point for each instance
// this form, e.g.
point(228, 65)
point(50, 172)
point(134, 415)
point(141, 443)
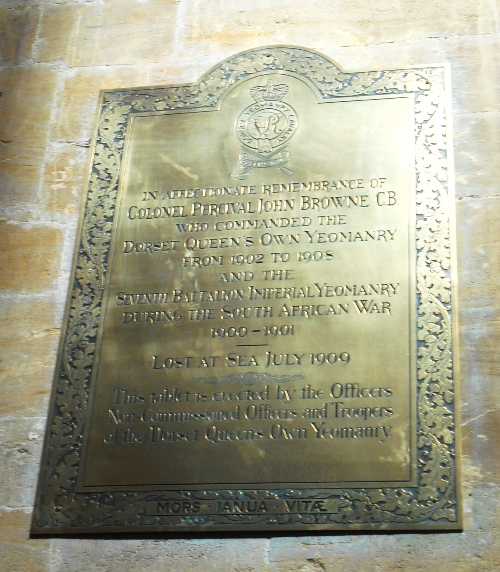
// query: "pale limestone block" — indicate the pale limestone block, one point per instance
point(26, 105)
point(20, 171)
point(57, 30)
point(176, 72)
point(29, 257)
point(28, 342)
point(19, 553)
point(123, 32)
point(407, 20)
point(64, 178)
point(194, 555)
point(475, 63)
point(20, 448)
point(17, 34)
point(480, 405)
point(477, 142)
point(345, 23)
point(20, 4)
point(25, 111)
point(478, 242)
point(80, 95)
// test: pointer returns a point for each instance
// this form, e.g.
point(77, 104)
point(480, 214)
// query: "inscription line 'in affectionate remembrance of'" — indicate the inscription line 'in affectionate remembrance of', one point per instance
point(260, 327)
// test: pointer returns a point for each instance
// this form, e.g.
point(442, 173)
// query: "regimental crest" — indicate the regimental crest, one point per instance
point(264, 129)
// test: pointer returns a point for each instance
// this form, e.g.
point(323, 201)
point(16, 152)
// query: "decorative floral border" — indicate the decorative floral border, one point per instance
point(433, 503)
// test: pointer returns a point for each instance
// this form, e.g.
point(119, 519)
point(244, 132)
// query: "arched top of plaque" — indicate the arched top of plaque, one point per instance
point(324, 76)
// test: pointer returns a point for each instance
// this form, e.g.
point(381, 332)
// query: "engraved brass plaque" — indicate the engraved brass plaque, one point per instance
point(259, 334)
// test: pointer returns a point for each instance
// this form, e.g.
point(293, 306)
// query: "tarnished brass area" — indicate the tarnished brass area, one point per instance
point(259, 334)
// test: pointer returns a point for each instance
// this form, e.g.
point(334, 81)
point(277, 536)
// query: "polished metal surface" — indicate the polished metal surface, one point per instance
point(259, 331)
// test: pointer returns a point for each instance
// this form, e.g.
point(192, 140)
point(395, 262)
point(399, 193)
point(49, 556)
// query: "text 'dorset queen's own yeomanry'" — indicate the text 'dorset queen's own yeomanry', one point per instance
point(260, 328)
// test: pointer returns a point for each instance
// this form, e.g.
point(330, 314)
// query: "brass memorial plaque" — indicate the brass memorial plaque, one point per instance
point(259, 334)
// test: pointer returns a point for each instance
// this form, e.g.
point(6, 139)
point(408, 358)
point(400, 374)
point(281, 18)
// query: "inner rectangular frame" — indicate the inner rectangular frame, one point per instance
point(281, 479)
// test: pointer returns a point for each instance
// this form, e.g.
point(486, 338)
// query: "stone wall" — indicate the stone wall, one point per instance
point(54, 58)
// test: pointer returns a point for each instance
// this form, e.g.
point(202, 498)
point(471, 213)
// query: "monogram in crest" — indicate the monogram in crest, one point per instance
point(264, 129)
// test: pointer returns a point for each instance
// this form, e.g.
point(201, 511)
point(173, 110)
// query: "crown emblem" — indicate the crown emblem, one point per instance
point(264, 129)
point(269, 92)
